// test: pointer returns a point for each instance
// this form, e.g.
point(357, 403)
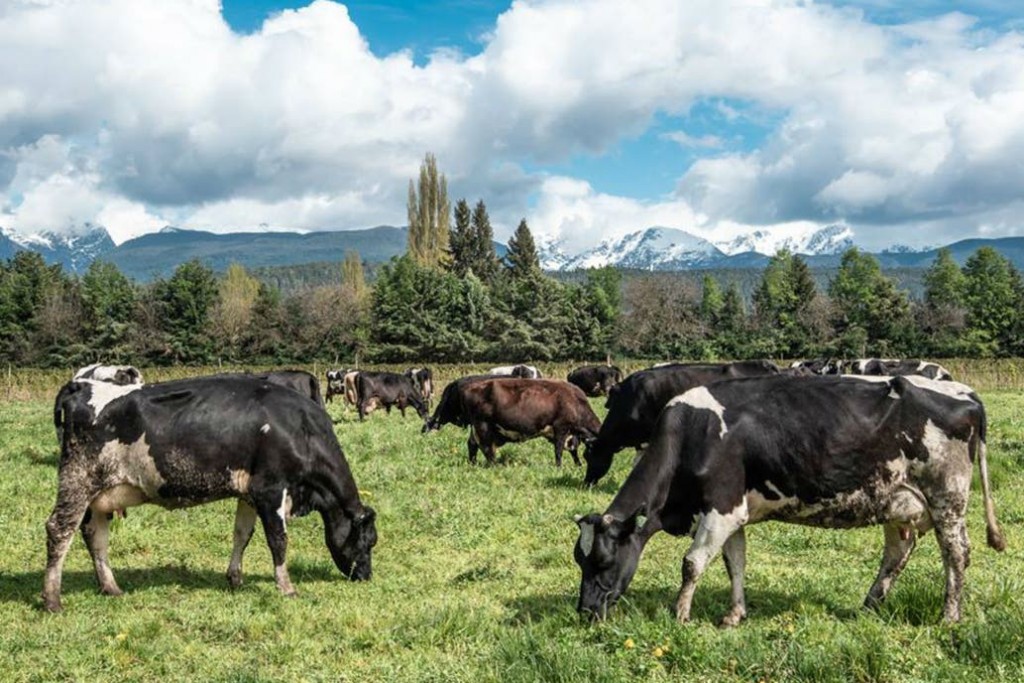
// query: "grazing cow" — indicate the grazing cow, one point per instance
point(374, 389)
point(193, 441)
point(506, 409)
point(595, 380)
point(834, 452)
point(635, 402)
point(335, 385)
point(869, 366)
point(301, 381)
point(518, 371)
point(120, 375)
point(818, 366)
point(423, 380)
point(450, 408)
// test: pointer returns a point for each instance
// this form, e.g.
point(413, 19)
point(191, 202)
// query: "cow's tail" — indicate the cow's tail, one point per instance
point(994, 534)
point(995, 537)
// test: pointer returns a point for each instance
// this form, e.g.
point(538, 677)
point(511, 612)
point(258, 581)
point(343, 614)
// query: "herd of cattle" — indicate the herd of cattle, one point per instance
point(719, 446)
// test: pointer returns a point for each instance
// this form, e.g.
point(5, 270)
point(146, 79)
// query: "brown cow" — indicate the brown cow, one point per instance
point(501, 410)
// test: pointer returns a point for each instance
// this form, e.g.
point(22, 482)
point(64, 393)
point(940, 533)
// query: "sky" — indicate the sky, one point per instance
point(589, 118)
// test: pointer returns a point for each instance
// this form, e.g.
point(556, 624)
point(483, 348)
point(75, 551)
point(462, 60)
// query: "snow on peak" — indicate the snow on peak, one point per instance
point(655, 248)
point(799, 239)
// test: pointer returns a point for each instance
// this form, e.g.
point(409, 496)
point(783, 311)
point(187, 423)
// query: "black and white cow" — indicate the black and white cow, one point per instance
point(387, 389)
point(893, 367)
point(335, 385)
point(423, 380)
point(835, 452)
point(818, 366)
point(193, 441)
point(595, 380)
point(518, 371)
point(635, 402)
point(301, 381)
point(120, 375)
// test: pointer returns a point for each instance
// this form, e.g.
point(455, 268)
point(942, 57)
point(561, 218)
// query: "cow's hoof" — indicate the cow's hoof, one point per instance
point(291, 594)
point(52, 606)
point(731, 620)
point(112, 591)
point(234, 581)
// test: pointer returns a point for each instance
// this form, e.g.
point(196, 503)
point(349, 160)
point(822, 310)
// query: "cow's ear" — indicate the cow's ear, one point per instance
point(368, 515)
point(587, 532)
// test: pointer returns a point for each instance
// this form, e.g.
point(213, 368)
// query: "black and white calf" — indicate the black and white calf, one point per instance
point(834, 452)
point(188, 442)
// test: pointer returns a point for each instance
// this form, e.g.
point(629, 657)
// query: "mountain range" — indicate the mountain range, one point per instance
point(653, 249)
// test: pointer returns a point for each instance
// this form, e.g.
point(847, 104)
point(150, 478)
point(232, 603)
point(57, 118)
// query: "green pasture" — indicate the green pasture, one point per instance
point(474, 580)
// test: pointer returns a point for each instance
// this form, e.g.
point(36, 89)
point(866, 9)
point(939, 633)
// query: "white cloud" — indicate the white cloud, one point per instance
point(141, 112)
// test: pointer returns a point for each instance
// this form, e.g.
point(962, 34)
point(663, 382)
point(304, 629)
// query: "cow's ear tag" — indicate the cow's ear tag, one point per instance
point(586, 538)
point(641, 520)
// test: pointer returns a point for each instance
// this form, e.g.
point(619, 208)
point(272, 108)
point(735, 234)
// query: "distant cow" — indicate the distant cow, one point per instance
point(595, 380)
point(818, 366)
point(188, 442)
point(118, 375)
point(423, 380)
point(122, 375)
point(834, 452)
point(506, 409)
point(301, 381)
point(893, 367)
point(519, 371)
point(635, 402)
point(387, 389)
point(335, 385)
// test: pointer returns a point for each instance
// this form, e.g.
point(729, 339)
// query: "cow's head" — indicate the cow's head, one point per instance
point(351, 540)
point(598, 454)
point(607, 552)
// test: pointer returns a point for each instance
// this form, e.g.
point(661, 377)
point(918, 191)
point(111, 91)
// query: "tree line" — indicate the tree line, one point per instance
point(450, 298)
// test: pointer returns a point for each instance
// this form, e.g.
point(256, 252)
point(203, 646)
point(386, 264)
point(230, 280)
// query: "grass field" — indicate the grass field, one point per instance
point(474, 581)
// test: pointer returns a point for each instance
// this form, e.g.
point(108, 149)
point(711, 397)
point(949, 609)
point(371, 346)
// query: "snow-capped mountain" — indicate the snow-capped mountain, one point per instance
point(74, 250)
point(650, 249)
point(799, 239)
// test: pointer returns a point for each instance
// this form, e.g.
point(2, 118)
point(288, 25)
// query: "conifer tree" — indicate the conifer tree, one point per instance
point(481, 256)
point(461, 240)
point(522, 256)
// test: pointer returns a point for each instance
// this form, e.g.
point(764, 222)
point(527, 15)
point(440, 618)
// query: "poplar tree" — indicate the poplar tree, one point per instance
point(429, 216)
point(352, 276)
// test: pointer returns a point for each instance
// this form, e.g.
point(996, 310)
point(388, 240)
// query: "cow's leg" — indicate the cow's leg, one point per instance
point(401, 407)
point(713, 530)
point(245, 524)
point(485, 439)
point(96, 534)
point(272, 511)
point(559, 441)
point(574, 447)
point(472, 447)
point(361, 409)
point(952, 536)
point(67, 515)
point(734, 552)
point(898, 546)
